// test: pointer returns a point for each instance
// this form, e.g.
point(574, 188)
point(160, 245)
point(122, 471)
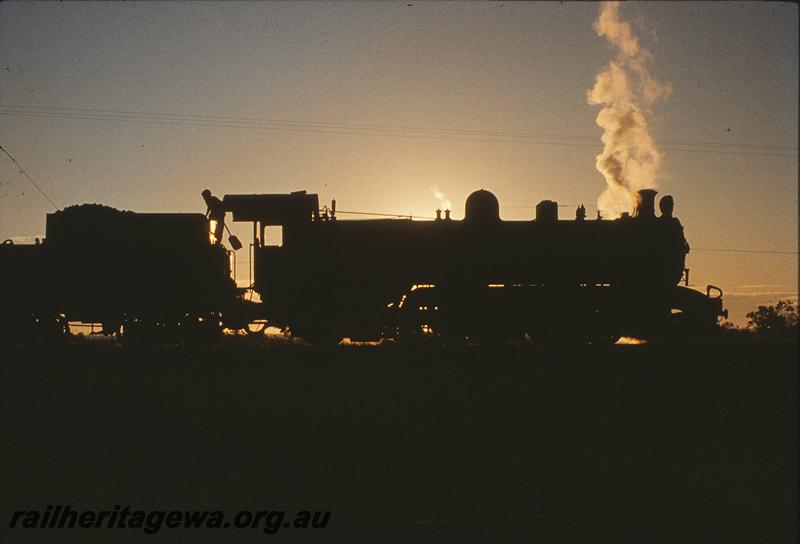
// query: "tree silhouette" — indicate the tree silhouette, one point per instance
point(780, 320)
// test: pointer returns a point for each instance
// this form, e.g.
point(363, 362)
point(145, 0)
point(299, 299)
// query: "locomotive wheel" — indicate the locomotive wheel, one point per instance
point(604, 340)
point(320, 334)
point(207, 332)
point(131, 333)
point(140, 332)
point(417, 339)
point(552, 338)
point(255, 328)
point(45, 329)
point(492, 338)
point(323, 340)
point(682, 327)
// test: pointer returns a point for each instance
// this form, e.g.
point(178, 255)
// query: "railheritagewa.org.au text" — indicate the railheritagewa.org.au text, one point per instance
point(152, 521)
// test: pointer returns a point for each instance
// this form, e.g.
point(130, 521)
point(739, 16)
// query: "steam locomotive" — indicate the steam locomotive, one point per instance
point(145, 276)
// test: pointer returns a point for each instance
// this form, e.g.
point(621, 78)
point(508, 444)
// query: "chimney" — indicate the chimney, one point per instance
point(447, 215)
point(438, 215)
point(645, 204)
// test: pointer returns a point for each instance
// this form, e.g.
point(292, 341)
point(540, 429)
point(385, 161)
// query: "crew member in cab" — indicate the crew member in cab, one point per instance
point(676, 240)
point(215, 212)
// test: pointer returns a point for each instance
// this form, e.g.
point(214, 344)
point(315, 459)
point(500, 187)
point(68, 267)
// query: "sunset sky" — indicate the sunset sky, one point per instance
point(143, 105)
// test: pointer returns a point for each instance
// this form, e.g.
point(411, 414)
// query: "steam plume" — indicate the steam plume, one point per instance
point(444, 203)
point(630, 160)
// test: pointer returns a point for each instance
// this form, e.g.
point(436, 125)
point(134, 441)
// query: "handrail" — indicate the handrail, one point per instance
point(710, 288)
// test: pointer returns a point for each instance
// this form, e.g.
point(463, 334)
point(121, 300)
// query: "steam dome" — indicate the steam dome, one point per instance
point(482, 207)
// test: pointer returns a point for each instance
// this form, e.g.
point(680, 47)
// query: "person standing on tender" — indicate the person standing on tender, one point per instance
point(215, 212)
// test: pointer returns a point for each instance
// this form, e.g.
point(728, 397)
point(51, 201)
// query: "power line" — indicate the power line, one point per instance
point(745, 251)
point(734, 267)
point(321, 127)
point(184, 116)
point(24, 173)
point(344, 130)
point(365, 126)
point(280, 128)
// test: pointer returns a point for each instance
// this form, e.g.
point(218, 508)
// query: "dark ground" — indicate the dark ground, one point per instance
point(631, 444)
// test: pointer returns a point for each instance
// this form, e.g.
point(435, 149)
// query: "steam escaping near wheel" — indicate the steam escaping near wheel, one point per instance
point(630, 341)
point(630, 160)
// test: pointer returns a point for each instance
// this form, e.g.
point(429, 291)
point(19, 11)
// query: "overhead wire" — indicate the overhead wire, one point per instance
point(322, 127)
point(758, 251)
point(28, 177)
point(368, 126)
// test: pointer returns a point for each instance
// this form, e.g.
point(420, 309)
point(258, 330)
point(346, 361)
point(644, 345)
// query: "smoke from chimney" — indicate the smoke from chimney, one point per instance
point(444, 203)
point(630, 160)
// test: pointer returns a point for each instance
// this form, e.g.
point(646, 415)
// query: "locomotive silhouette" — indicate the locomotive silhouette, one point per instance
point(150, 277)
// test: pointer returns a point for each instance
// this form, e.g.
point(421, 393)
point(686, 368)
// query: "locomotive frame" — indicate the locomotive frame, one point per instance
point(158, 276)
